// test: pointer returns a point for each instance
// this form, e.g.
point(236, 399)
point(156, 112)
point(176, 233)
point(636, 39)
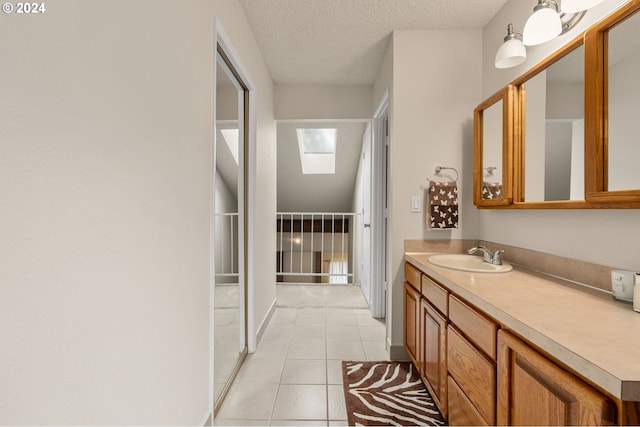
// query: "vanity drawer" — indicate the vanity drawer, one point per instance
point(474, 374)
point(480, 330)
point(412, 275)
point(461, 410)
point(435, 294)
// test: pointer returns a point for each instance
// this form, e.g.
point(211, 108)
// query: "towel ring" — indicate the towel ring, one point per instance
point(440, 168)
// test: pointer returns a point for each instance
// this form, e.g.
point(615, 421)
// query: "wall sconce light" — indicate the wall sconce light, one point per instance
point(512, 52)
point(548, 21)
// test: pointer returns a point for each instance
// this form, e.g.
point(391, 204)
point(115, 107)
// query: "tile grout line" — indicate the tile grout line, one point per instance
point(326, 365)
point(275, 400)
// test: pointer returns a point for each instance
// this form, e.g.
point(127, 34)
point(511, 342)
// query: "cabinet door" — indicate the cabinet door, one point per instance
point(411, 322)
point(433, 350)
point(532, 390)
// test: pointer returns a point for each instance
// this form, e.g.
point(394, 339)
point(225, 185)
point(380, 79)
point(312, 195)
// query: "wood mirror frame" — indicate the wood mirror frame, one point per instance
point(505, 95)
point(596, 114)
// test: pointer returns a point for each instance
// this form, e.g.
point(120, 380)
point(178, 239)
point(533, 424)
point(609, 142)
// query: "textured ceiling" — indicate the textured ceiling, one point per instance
point(318, 193)
point(343, 41)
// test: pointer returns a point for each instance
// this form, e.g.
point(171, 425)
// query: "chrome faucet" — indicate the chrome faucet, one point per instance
point(487, 255)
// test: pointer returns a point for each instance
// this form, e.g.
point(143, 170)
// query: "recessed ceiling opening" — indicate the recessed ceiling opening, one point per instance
point(317, 150)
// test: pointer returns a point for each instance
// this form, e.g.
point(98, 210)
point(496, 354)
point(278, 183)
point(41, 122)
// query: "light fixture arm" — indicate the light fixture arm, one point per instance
point(551, 4)
point(512, 34)
point(570, 20)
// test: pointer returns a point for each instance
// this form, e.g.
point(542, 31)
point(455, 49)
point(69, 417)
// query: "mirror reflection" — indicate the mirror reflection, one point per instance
point(623, 97)
point(554, 131)
point(492, 151)
point(229, 325)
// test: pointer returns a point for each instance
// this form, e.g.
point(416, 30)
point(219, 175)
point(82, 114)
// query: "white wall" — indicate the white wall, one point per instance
point(624, 149)
point(492, 141)
point(536, 102)
point(384, 79)
point(302, 102)
point(577, 160)
point(105, 171)
point(599, 236)
point(565, 100)
point(436, 85)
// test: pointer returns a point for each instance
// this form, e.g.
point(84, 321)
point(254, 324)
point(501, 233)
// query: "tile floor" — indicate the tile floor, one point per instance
point(295, 376)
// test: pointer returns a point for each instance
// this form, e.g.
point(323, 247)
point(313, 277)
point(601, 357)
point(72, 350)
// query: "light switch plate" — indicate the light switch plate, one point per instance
point(415, 204)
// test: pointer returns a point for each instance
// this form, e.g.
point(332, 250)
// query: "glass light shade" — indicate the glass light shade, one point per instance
point(542, 26)
point(574, 6)
point(511, 53)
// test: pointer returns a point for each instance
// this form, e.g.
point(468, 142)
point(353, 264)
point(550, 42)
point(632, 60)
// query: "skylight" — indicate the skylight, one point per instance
point(231, 137)
point(317, 150)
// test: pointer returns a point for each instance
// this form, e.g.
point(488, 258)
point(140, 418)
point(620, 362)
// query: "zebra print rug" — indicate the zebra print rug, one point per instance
point(387, 394)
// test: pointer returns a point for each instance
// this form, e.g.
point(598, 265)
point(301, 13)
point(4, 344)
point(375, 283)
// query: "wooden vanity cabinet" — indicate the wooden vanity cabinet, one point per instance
point(480, 374)
point(433, 350)
point(412, 323)
point(535, 391)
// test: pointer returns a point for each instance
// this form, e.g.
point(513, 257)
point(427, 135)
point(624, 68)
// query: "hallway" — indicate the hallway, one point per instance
point(295, 377)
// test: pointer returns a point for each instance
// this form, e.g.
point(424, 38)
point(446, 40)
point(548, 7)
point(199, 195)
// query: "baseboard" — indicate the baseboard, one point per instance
point(397, 352)
point(265, 322)
point(208, 421)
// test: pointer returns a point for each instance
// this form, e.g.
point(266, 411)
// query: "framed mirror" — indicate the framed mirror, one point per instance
point(550, 145)
point(573, 124)
point(229, 246)
point(613, 135)
point(493, 150)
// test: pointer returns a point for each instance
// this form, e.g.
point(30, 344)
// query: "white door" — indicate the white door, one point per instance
point(379, 210)
point(365, 278)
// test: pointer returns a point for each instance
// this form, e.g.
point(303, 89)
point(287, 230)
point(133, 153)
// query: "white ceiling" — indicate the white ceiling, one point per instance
point(343, 41)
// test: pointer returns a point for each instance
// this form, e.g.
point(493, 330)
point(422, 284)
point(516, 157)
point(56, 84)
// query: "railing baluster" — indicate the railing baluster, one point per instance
point(231, 244)
point(333, 234)
point(312, 252)
point(342, 256)
point(291, 244)
point(281, 256)
point(322, 249)
point(301, 241)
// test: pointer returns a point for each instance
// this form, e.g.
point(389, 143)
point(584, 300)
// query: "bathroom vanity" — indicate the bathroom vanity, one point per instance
point(521, 347)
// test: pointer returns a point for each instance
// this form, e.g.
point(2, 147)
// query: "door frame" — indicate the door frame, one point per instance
point(379, 210)
point(222, 39)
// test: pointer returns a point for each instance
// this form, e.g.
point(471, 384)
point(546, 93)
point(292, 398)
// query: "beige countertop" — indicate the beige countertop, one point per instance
point(586, 329)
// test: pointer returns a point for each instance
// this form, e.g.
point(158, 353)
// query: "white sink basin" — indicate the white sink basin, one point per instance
point(471, 263)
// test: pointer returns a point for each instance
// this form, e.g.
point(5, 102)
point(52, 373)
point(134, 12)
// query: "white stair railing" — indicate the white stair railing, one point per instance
point(315, 247)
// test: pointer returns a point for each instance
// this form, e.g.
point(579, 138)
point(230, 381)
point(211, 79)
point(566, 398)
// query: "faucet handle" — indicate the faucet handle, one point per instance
point(497, 259)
